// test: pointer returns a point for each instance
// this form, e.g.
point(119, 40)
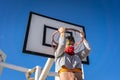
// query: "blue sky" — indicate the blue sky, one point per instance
point(101, 19)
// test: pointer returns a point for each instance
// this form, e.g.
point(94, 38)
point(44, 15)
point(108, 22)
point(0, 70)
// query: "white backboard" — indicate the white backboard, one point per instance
point(39, 31)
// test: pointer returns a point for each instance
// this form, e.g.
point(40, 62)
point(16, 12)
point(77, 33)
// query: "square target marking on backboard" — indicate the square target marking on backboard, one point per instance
point(39, 31)
point(47, 36)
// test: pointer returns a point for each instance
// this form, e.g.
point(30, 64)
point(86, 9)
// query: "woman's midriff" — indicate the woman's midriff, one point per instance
point(65, 69)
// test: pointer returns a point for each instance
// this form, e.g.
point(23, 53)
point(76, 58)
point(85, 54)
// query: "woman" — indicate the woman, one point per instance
point(68, 63)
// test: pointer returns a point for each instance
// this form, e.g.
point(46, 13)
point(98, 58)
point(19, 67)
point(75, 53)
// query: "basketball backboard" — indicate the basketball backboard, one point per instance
point(39, 31)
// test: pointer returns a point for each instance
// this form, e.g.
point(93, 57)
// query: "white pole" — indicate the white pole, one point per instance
point(37, 72)
point(83, 76)
point(52, 74)
point(18, 68)
point(46, 69)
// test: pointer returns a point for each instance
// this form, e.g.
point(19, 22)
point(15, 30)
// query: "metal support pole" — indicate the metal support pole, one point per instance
point(52, 74)
point(17, 68)
point(37, 72)
point(46, 69)
point(82, 72)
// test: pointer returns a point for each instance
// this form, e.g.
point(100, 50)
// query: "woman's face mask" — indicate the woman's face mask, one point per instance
point(69, 50)
point(69, 47)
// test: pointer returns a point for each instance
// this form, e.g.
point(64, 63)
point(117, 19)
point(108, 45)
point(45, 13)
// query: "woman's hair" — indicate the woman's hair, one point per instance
point(70, 38)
